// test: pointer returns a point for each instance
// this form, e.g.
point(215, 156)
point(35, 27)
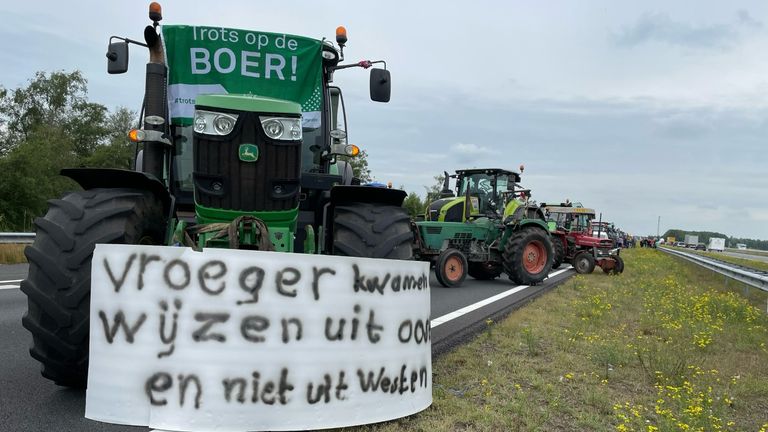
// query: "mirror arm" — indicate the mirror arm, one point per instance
point(365, 64)
point(128, 41)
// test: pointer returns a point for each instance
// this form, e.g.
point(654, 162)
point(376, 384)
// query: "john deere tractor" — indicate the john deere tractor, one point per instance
point(486, 228)
point(240, 131)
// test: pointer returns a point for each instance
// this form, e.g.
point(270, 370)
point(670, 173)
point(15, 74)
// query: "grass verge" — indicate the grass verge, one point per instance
point(663, 347)
point(12, 253)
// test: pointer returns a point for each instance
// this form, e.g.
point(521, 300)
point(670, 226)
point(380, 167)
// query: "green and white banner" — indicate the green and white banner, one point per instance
point(211, 60)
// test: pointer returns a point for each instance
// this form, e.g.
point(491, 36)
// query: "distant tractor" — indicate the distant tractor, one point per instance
point(576, 244)
point(488, 227)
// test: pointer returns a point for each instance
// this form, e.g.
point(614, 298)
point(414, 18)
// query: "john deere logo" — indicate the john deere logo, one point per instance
point(248, 152)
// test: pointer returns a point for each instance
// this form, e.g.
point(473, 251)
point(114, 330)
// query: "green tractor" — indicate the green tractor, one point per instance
point(488, 227)
point(245, 157)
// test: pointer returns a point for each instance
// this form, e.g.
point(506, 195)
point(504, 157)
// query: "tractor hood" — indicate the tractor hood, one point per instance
point(589, 241)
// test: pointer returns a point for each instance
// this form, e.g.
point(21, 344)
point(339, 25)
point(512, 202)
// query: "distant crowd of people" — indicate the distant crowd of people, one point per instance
point(649, 242)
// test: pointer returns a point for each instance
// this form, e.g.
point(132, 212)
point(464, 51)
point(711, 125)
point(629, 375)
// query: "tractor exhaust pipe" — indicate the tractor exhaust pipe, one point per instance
point(155, 97)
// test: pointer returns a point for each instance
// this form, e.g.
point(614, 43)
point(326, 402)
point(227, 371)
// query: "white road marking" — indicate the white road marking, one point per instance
point(9, 284)
point(16, 281)
point(467, 309)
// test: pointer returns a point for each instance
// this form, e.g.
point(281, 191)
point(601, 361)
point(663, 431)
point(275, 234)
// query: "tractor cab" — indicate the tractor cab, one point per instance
point(569, 218)
point(479, 193)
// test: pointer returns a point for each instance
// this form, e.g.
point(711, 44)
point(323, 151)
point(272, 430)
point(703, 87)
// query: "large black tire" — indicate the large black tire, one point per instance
point(372, 231)
point(584, 263)
point(618, 267)
point(527, 256)
point(58, 286)
point(451, 268)
point(559, 251)
point(484, 270)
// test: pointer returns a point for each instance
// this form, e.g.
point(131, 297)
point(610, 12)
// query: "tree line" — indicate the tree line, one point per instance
point(45, 126)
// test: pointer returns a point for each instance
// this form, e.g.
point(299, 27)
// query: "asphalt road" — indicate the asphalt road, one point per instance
point(29, 402)
point(748, 256)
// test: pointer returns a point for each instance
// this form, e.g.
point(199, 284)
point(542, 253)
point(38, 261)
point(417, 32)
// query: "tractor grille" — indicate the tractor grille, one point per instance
point(461, 241)
point(223, 181)
point(434, 229)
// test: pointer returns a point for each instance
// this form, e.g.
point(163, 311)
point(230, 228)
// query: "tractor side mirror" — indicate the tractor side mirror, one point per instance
point(117, 57)
point(381, 86)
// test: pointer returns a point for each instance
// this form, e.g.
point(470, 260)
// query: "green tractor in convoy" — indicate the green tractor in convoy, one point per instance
point(237, 149)
point(488, 227)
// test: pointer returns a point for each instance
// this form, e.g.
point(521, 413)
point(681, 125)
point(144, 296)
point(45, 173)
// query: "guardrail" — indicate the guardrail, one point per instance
point(751, 277)
point(16, 237)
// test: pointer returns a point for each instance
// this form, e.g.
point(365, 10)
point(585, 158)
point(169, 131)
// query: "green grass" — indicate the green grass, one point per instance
point(12, 253)
point(665, 346)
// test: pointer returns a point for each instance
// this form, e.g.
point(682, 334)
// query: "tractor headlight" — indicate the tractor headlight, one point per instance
point(213, 123)
point(223, 125)
point(200, 123)
point(282, 128)
point(273, 128)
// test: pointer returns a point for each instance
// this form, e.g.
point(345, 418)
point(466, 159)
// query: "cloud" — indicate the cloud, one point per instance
point(470, 149)
point(683, 126)
point(747, 20)
point(659, 27)
point(633, 160)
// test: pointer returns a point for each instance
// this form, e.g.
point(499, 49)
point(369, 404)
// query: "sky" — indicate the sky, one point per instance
point(641, 110)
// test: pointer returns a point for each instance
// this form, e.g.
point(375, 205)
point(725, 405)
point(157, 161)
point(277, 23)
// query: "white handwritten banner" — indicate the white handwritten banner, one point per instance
point(232, 340)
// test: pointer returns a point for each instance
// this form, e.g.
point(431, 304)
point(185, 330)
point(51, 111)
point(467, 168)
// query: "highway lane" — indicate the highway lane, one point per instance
point(747, 256)
point(10, 275)
point(29, 402)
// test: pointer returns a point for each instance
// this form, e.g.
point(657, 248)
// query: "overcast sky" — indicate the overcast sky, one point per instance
point(640, 109)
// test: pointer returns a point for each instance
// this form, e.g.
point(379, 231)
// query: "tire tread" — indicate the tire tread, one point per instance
point(372, 231)
point(58, 284)
point(512, 258)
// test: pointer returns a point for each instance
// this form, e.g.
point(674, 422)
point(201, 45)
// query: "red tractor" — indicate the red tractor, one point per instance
point(575, 243)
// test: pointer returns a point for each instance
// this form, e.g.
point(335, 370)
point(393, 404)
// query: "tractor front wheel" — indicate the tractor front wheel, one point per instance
point(58, 286)
point(372, 231)
point(618, 266)
point(527, 256)
point(559, 249)
point(451, 268)
point(584, 263)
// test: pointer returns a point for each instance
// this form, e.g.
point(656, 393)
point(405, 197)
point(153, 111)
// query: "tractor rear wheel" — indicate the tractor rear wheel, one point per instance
point(58, 286)
point(372, 231)
point(484, 270)
point(618, 266)
point(584, 263)
point(527, 256)
point(451, 268)
point(559, 251)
